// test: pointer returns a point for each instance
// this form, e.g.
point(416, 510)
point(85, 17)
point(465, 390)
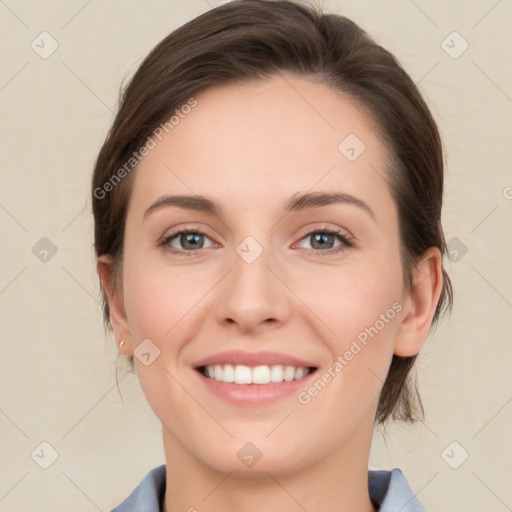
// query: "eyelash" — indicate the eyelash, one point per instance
point(346, 241)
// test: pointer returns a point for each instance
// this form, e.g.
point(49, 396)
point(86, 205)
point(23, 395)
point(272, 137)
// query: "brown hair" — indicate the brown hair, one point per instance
point(247, 40)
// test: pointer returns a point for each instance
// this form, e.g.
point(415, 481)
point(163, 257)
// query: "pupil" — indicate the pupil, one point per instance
point(322, 236)
point(193, 239)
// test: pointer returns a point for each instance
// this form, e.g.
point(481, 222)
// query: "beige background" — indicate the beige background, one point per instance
point(57, 370)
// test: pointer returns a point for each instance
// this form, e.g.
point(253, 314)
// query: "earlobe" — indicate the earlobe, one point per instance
point(114, 298)
point(421, 304)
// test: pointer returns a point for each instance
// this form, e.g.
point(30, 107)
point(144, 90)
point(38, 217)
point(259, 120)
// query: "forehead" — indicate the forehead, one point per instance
point(264, 140)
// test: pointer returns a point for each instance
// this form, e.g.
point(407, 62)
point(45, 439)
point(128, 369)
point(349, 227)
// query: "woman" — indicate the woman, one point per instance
point(267, 213)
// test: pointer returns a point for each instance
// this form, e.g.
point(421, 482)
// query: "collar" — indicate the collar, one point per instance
point(389, 492)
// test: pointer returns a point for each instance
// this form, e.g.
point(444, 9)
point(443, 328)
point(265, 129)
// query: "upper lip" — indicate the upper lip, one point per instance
point(235, 357)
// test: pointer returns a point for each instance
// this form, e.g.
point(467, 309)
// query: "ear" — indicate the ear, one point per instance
point(420, 304)
point(114, 297)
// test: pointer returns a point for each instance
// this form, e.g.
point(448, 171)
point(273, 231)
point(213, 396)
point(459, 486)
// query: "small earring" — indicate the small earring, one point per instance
point(121, 343)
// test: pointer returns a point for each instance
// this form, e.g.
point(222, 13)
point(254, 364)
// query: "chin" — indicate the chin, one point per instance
point(261, 469)
point(253, 459)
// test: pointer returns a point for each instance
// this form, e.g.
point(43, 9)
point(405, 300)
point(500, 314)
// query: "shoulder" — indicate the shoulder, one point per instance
point(390, 491)
point(148, 495)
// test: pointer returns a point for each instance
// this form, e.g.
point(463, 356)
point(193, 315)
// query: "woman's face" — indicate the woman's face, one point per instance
point(260, 283)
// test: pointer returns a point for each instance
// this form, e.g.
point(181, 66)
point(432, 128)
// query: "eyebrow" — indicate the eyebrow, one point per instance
point(298, 202)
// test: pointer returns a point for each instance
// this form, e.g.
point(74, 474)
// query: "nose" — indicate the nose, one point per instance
point(252, 297)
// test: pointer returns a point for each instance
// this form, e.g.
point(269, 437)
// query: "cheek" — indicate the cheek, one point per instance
point(163, 300)
point(352, 297)
point(151, 293)
point(359, 305)
point(150, 307)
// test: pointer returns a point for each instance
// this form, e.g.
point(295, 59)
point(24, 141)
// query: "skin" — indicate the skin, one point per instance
point(231, 148)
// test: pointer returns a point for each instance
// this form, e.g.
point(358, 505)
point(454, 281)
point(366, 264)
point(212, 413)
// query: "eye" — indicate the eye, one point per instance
point(191, 241)
point(322, 241)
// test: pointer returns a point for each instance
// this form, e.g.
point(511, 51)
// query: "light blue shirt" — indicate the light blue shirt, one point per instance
point(388, 490)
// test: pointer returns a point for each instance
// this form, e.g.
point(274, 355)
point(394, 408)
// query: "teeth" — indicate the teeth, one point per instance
point(300, 372)
point(241, 374)
point(289, 373)
point(228, 374)
point(261, 375)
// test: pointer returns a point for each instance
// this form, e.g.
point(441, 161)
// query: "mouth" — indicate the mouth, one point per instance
point(253, 378)
point(260, 375)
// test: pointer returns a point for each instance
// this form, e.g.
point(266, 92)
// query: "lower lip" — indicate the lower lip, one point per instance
point(254, 394)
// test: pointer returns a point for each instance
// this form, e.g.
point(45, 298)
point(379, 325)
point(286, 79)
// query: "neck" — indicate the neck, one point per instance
point(337, 482)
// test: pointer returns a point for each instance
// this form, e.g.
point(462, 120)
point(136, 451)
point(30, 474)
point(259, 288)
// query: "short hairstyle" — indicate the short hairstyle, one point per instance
point(248, 40)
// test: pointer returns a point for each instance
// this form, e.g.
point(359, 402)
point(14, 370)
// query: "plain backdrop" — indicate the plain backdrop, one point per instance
point(59, 403)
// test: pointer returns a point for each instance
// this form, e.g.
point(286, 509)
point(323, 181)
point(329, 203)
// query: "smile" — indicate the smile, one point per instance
point(254, 378)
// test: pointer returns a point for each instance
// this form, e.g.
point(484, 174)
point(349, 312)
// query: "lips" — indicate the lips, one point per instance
point(253, 377)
